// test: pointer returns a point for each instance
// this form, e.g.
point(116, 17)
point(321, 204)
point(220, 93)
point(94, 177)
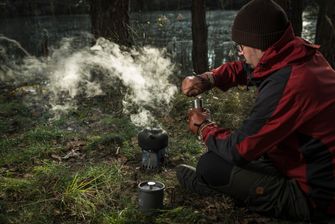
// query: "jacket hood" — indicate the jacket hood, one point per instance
point(287, 50)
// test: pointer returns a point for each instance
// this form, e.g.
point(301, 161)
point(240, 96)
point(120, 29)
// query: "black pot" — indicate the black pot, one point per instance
point(151, 195)
point(152, 139)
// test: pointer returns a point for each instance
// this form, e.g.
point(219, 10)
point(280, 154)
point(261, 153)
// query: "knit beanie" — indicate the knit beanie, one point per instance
point(259, 24)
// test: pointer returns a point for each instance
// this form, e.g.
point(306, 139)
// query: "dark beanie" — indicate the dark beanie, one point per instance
point(259, 24)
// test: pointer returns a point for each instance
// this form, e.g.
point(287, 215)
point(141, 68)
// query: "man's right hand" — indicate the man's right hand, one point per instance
point(195, 85)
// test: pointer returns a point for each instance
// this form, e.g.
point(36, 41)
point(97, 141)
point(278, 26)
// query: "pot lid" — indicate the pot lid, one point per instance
point(151, 186)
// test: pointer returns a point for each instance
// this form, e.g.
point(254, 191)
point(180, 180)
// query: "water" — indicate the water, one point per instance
point(170, 29)
point(173, 30)
point(30, 31)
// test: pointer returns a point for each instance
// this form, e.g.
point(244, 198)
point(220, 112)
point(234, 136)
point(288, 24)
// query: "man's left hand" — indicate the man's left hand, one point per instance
point(196, 117)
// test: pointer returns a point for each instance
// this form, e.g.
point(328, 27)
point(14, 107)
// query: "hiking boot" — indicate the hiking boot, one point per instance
point(189, 180)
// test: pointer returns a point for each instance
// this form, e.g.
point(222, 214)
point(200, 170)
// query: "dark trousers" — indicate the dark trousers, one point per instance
point(257, 185)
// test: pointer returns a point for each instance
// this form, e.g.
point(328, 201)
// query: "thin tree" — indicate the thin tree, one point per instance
point(293, 9)
point(325, 30)
point(295, 15)
point(199, 37)
point(110, 19)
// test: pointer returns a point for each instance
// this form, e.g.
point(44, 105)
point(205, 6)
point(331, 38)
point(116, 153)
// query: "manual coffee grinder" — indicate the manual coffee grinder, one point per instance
point(197, 103)
point(153, 142)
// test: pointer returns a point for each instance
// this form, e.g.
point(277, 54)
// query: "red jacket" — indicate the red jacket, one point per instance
point(293, 119)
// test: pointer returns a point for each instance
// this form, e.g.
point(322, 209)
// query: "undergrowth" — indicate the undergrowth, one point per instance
point(84, 166)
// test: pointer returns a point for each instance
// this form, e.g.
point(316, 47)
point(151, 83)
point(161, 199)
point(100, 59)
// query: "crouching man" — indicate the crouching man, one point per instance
point(281, 161)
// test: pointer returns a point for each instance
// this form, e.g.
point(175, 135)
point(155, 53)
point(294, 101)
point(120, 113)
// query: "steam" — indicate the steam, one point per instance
point(72, 74)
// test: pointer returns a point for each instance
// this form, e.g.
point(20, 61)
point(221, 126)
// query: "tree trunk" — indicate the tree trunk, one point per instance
point(110, 19)
point(325, 30)
point(295, 15)
point(293, 9)
point(199, 36)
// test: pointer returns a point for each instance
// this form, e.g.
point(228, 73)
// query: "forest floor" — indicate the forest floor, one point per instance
point(84, 166)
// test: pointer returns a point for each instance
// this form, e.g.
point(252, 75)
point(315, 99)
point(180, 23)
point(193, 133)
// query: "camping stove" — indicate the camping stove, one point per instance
point(153, 142)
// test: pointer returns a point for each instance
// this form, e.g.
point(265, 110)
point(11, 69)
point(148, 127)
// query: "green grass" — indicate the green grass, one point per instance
point(230, 108)
point(127, 215)
point(14, 115)
point(18, 185)
point(35, 144)
point(105, 141)
point(38, 184)
point(179, 215)
point(10, 107)
point(44, 134)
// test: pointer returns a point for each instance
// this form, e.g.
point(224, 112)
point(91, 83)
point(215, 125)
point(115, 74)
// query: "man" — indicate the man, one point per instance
point(281, 160)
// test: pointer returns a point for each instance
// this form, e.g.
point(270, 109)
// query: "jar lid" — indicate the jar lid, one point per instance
point(151, 186)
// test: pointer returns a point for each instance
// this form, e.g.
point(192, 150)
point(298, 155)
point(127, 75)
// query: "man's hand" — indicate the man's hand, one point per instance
point(195, 85)
point(196, 118)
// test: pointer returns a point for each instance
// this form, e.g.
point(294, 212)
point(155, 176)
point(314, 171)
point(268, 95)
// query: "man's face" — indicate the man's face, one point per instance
point(251, 55)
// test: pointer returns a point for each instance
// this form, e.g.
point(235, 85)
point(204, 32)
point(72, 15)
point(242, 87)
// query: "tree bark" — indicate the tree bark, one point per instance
point(325, 30)
point(199, 37)
point(110, 19)
point(293, 9)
